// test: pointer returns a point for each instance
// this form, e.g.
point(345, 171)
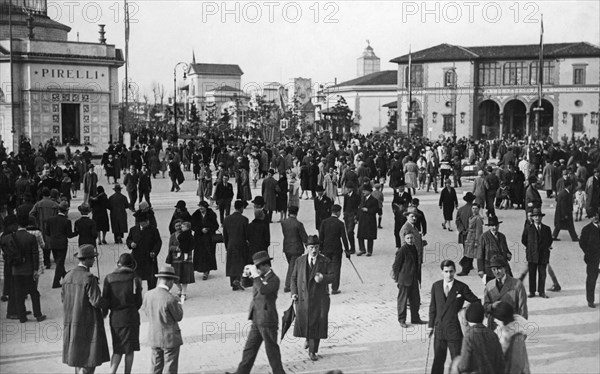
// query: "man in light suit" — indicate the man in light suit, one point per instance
point(447, 298)
point(263, 314)
point(503, 288)
point(407, 272)
point(537, 238)
point(333, 234)
point(164, 311)
point(294, 237)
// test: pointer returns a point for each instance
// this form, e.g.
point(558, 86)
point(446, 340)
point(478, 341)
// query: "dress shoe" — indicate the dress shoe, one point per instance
point(555, 288)
point(286, 290)
point(104, 241)
point(369, 254)
point(556, 239)
point(544, 296)
point(335, 292)
point(462, 273)
point(591, 305)
point(576, 239)
point(418, 322)
point(4, 298)
point(41, 318)
point(236, 283)
point(449, 229)
point(204, 277)
point(352, 252)
point(313, 356)
point(23, 320)
point(361, 253)
point(403, 325)
point(531, 295)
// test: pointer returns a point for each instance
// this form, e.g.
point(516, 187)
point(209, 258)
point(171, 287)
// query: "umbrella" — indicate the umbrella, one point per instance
point(287, 319)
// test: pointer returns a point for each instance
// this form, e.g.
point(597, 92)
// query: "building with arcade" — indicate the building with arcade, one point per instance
point(492, 91)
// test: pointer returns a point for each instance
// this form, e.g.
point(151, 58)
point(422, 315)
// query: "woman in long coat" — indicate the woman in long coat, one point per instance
point(204, 224)
point(448, 202)
point(367, 219)
point(281, 201)
point(244, 193)
point(294, 191)
point(99, 205)
point(474, 232)
point(304, 183)
point(118, 205)
point(259, 234)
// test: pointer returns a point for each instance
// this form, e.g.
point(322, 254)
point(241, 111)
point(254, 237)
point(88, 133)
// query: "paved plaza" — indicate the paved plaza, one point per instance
point(364, 334)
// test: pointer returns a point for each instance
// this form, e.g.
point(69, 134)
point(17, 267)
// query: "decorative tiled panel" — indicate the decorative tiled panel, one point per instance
point(85, 98)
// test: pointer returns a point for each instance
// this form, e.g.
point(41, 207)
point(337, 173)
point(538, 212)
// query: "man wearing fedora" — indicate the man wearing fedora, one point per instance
point(503, 287)
point(589, 243)
point(84, 338)
point(90, 183)
point(537, 238)
point(235, 238)
point(294, 237)
point(145, 242)
point(263, 314)
point(333, 234)
point(492, 243)
point(223, 196)
point(310, 290)
point(367, 222)
point(118, 204)
point(411, 215)
point(407, 273)
point(164, 313)
point(563, 215)
point(322, 205)
point(463, 215)
point(269, 193)
point(59, 231)
point(85, 227)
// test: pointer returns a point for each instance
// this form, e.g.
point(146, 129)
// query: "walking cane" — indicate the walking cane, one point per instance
point(427, 359)
point(351, 263)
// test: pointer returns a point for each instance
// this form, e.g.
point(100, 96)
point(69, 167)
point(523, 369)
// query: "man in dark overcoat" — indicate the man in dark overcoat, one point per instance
point(367, 222)
point(589, 242)
point(145, 185)
point(131, 181)
point(492, 243)
point(90, 183)
point(294, 237)
point(145, 242)
point(235, 238)
point(333, 234)
point(85, 227)
point(447, 298)
point(118, 204)
point(352, 201)
point(462, 226)
point(310, 290)
point(537, 238)
point(323, 206)
point(563, 215)
point(84, 338)
point(407, 272)
point(269, 193)
point(59, 231)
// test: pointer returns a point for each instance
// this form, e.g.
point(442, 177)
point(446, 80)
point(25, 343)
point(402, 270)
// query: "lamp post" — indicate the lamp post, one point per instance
point(185, 66)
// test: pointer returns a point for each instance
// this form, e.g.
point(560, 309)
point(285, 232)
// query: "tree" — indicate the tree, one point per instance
point(194, 113)
point(392, 125)
point(158, 90)
point(342, 117)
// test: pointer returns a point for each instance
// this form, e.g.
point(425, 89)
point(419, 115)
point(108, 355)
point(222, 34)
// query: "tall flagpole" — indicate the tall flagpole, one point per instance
point(12, 80)
point(540, 79)
point(126, 110)
point(409, 116)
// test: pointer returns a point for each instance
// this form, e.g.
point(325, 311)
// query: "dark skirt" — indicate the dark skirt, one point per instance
point(448, 211)
point(185, 271)
point(204, 256)
point(101, 218)
point(281, 203)
point(125, 339)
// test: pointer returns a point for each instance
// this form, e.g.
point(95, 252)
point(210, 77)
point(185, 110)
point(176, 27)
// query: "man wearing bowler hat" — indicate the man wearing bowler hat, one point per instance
point(164, 313)
point(84, 338)
point(310, 278)
point(503, 287)
point(462, 226)
point(492, 243)
point(263, 314)
point(537, 238)
point(59, 231)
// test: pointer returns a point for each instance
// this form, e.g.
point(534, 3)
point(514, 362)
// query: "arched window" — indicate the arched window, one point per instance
point(450, 78)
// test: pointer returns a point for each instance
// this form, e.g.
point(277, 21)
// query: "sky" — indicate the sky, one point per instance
point(280, 40)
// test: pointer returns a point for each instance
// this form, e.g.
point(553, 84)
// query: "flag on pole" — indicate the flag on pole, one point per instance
point(126, 32)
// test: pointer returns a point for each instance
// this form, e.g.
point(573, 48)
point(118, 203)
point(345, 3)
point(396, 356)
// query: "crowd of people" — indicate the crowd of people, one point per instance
point(346, 180)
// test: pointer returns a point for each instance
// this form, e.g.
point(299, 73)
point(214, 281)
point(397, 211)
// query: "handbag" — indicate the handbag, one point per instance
point(217, 237)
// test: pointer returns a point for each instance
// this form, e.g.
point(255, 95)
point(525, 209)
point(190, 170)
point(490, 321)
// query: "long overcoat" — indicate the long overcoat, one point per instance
point(312, 308)
point(118, 204)
point(99, 205)
point(146, 241)
point(367, 221)
point(564, 210)
point(204, 249)
point(269, 193)
point(84, 338)
point(474, 232)
point(235, 237)
point(537, 244)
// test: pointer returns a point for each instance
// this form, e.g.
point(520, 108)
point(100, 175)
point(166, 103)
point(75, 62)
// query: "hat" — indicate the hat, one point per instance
point(367, 188)
point(493, 221)
point(504, 312)
point(537, 212)
point(91, 166)
point(117, 187)
point(271, 171)
point(166, 271)
point(63, 206)
point(319, 188)
point(469, 197)
point(84, 208)
point(261, 257)
point(475, 313)
point(498, 262)
point(203, 203)
point(144, 205)
point(258, 200)
point(412, 210)
point(313, 240)
point(86, 251)
point(180, 204)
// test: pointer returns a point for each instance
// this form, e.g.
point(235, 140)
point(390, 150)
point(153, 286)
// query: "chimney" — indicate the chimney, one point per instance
point(101, 31)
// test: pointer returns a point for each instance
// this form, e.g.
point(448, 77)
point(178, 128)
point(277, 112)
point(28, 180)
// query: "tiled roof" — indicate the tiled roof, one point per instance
point(386, 77)
point(391, 104)
point(448, 52)
point(216, 69)
point(227, 88)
